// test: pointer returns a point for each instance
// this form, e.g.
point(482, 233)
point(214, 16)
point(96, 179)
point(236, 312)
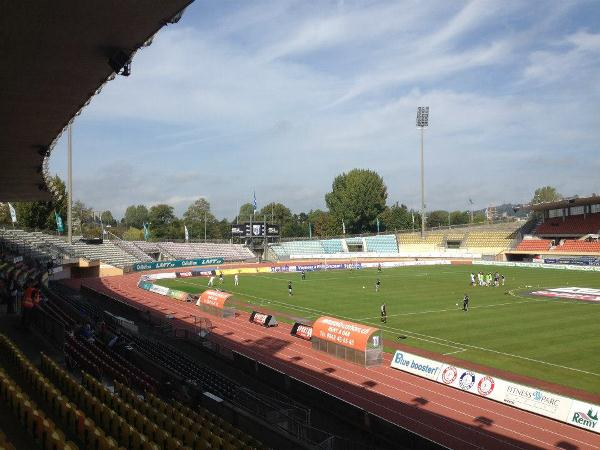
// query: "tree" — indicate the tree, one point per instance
point(277, 212)
point(136, 216)
point(245, 213)
point(324, 224)
point(197, 211)
point(546, 194)
point(357, 198)
point(107, 218)
point(81, 212)
point(460, 217)
point(5, 214)
point(437, 218)
point(161, 215)
point(133, 234)
point(396, 217)
point(40, 214)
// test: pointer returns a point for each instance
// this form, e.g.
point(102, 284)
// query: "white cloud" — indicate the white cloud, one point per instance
point(281, 99)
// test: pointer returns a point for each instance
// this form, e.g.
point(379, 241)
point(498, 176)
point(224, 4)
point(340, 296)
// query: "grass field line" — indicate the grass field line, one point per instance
point(459, 307)
point(420, 336)
point(457, 351)
point(318, 313)
point(498, 352)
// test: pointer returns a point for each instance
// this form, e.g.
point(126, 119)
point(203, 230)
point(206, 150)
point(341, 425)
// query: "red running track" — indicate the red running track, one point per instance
point(445, 415)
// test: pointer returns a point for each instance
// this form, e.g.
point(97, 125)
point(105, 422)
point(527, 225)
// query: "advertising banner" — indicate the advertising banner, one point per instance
point(178, 295)
point(178, 263)
point(159, 289)
point(584, 415)
point(558, 407)
point(417, 365)
point(586, 294)
point(302, 331)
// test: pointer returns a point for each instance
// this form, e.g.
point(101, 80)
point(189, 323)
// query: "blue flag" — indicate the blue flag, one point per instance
point(378, 224)
point(254, 202)
point(146, 232)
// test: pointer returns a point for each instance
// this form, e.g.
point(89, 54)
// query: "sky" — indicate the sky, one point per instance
point(279, 97)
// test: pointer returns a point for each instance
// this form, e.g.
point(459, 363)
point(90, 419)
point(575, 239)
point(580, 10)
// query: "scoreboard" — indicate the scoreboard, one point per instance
point(254, 229)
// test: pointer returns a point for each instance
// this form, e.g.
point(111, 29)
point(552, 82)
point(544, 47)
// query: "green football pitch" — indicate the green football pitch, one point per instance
point(556, 340)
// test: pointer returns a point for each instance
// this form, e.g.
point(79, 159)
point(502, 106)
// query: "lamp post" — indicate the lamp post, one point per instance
point(422, 123)
point(70, 184)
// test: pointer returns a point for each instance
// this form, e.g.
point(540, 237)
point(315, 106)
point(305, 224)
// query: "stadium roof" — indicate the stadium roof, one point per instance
point(564, 203)
point(54, 58)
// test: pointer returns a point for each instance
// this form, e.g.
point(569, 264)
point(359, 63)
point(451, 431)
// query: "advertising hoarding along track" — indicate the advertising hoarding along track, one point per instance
point(558, 407)
point(177, 263)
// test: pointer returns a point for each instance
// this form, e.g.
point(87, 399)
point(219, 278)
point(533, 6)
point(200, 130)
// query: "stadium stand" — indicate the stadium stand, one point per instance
point(125, 418)
point(382, 243)
point(302, 247)
point(117, 253)
point(570, 245)
point(57, 248)
point(229, 252)
point(534, 245)
point(570, 225)
point(133, 249)
point(332, 245)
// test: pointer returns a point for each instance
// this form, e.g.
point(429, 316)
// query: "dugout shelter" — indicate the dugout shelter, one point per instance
point(216, 303)
point(353, 342)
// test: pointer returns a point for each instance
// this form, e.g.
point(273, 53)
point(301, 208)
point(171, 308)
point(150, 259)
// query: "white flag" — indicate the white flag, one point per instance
point(187, 235)
point(13, 213)
point(343, 227)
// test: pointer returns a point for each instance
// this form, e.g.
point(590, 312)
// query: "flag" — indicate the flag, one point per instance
point(13, 213)
point(378, 224)
point(309, 231)
point(343, 227)
point(413, 217)
point(59, 223)
point(146, 231)
point(187, 235)
point(254, 202)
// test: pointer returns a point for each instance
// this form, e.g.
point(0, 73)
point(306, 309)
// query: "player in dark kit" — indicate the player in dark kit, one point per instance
point(466, 303)
point(377, 285)
point(379, 267)
point(290, 287)
point(383, 314)
point(303, 275)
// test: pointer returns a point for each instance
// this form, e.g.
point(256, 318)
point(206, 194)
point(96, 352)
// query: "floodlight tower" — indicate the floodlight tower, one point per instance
point(422, 123)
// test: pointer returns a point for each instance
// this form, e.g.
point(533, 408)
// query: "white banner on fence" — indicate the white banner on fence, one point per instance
point(558, 407)
point(417, 365)
point(538, 265)
point(159, 289)
point(584, 415)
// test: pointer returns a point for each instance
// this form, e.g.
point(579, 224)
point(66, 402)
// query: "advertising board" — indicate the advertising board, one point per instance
point(549, 404)
point(417, 365)
point(177, 263)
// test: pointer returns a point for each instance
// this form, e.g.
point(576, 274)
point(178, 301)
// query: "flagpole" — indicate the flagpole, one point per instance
point(70, 184)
